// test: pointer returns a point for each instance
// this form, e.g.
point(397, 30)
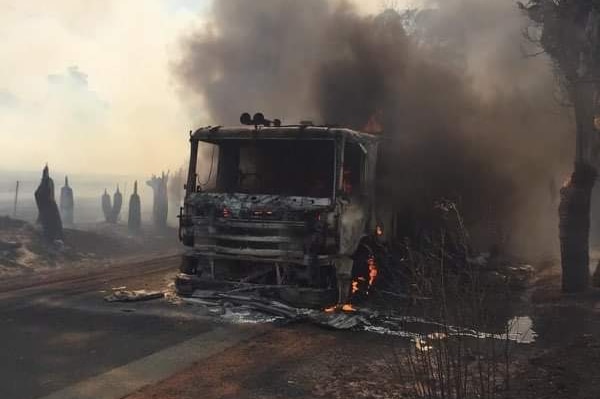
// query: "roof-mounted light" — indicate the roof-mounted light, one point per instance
point(258, 120)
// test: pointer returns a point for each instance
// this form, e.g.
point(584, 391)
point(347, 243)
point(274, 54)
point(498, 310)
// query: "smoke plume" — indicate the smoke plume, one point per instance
point(468, 115)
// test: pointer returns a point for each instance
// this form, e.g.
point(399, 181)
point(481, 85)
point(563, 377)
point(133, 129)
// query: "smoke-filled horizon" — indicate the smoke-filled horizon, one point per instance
point(471, 116)
point(87, 86)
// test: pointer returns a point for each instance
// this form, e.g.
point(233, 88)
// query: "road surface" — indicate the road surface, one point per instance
point(60, 339)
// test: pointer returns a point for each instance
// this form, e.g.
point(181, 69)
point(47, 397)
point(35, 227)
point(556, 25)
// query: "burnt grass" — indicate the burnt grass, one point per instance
point(23, 248)
point(564, 360)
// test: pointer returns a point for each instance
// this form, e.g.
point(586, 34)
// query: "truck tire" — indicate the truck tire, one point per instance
point(188, 240)
point(189, 264)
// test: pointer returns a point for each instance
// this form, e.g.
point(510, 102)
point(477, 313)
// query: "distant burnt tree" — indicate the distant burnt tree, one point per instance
point(67, 203)
point(160, 206)
point(106, 206)
point(134, 221)
point(570, 34)
point(112, 209)
point(176, 182)
point(117, 204)
point(49, 217)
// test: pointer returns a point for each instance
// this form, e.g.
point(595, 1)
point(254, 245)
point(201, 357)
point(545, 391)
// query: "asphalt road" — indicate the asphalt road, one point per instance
point(56, 331)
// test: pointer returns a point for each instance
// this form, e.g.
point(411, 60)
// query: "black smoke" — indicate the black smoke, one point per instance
point(467, 114)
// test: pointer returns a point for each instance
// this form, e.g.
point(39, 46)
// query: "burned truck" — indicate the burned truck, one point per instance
point(289, 209)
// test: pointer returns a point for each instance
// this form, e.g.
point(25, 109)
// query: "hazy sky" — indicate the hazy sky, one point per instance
point(86, 85)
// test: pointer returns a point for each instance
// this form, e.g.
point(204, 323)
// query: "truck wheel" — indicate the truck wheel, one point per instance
point(364, 270)
point(189, 264)
point(188, 240)
point(184, 285)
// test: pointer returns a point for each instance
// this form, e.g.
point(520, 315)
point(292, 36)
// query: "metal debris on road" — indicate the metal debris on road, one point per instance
point(204, 294)
point(253, 308)
point(338, 320)
point(133, 296)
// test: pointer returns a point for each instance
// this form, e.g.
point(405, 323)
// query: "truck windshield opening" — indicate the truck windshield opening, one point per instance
point(277, 167)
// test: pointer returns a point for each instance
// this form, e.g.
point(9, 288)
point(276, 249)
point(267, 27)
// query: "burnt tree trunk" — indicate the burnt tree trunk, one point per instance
point(49, 217)
point(134, 221)
point(160, 206)
point(116, 206)
point(576, 195)
point(66, 203)
point(574, 212)
point(112, 209)
point(106, 206)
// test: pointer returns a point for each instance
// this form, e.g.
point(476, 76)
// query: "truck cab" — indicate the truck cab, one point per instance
point(285, 207)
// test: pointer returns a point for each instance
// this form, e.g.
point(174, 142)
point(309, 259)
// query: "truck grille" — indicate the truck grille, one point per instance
point(278, 241)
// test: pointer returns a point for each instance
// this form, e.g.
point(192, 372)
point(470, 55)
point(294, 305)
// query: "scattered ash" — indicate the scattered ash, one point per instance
point(257, 310)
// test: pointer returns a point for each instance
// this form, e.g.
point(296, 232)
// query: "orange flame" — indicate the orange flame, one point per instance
point(374, 125)
point(345, 308)
point(348, 308)
point(355, 286)
point(372, 271)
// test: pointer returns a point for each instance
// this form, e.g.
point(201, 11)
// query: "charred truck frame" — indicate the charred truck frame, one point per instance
point(290, 208)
